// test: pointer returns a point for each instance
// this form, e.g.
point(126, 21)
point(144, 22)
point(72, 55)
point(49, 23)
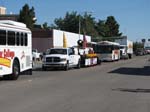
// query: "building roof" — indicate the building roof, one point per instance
point(42, 33)
point(13, 17)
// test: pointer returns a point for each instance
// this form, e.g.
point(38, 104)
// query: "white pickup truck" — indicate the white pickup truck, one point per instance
point(61, 58)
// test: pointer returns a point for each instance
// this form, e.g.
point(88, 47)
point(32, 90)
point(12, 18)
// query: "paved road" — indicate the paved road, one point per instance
point(122, 86)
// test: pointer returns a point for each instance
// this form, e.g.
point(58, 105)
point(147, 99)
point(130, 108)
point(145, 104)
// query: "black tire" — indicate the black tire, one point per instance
point(30, 71)
point(130, 56)
point(44, 68)
point(16, 70)
point(67, 66)
point(79, 65)
point(99, 61)
point(6, 77)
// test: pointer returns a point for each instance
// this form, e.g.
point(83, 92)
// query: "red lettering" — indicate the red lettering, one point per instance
point(7, 54)
point(12, 54)
point(1, 53)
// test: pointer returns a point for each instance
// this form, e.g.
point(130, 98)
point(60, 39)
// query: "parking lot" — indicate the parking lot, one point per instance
point(121, 86)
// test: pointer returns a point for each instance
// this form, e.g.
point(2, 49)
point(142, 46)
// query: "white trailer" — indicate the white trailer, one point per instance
point(71, 38)
point(126, 47)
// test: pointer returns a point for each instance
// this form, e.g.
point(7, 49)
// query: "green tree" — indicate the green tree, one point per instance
point(45, 26)
point(112, 27)
point(137, 45)
point(88, 24)
point(101, 28)
point(69, 23)
point(27, 16)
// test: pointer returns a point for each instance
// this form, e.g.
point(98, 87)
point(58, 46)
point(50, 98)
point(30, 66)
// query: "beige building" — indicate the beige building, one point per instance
point(2, 10)
point(5, 16)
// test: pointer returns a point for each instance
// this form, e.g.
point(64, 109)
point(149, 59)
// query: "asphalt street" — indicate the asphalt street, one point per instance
point(121, 86)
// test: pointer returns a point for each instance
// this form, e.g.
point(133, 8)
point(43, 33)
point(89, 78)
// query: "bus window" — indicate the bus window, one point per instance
point(2, 37)
point(105, 49)
point(26, 40)
point(22, 39)
point(18, 39)
point(11, 38)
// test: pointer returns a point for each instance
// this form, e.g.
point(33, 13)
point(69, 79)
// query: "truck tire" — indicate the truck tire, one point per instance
point(79, 65)
point(98, 61)
point(130, 56)
point(43, 68)
point(67, 66)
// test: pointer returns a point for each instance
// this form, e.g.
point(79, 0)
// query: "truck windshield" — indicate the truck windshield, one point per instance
point(58, 51)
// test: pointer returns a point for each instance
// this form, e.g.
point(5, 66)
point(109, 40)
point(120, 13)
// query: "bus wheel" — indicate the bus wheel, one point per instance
point(16, 70)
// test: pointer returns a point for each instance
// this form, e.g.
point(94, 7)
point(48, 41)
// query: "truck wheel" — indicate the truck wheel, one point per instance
point(99, 61)
point(79, 65)
point(43, 68)
point(16, 71)
point(130, 56)
point(67, 66)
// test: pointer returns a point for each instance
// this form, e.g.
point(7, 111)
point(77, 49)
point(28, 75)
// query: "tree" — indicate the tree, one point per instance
point(112, 27)
point(88, 24)
point(45, 26)
point(101, 28)
point(27, 16)
point(69, 23)
point(137, 45)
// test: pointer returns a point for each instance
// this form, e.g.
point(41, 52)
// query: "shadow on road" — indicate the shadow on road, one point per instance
point(47, 70)
point(133, 71)
point(138, 90)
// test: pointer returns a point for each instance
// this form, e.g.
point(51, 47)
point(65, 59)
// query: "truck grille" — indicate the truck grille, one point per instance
point(52, 59)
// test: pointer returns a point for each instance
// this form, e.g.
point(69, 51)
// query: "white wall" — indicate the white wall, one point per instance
point(71, 38)
point(122, 41)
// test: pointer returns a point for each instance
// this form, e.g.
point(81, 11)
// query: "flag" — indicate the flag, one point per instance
point(84, 42)
point(64, 41)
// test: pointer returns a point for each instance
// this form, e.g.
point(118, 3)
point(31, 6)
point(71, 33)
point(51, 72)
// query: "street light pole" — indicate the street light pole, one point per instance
point(80, 22)
point(79, 27)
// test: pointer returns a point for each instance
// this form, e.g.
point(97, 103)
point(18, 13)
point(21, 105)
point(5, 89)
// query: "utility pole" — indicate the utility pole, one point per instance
point(79, 27)
point(80, 14)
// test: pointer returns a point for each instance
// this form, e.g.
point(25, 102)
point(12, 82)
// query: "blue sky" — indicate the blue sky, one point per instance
point(132, 15)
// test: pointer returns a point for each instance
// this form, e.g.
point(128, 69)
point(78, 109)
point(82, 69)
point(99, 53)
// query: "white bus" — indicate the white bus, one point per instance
point(106, 50)
point(15, 49)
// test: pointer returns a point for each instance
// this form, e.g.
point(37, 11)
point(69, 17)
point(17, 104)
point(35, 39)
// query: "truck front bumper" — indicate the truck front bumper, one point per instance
point(54, 65)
